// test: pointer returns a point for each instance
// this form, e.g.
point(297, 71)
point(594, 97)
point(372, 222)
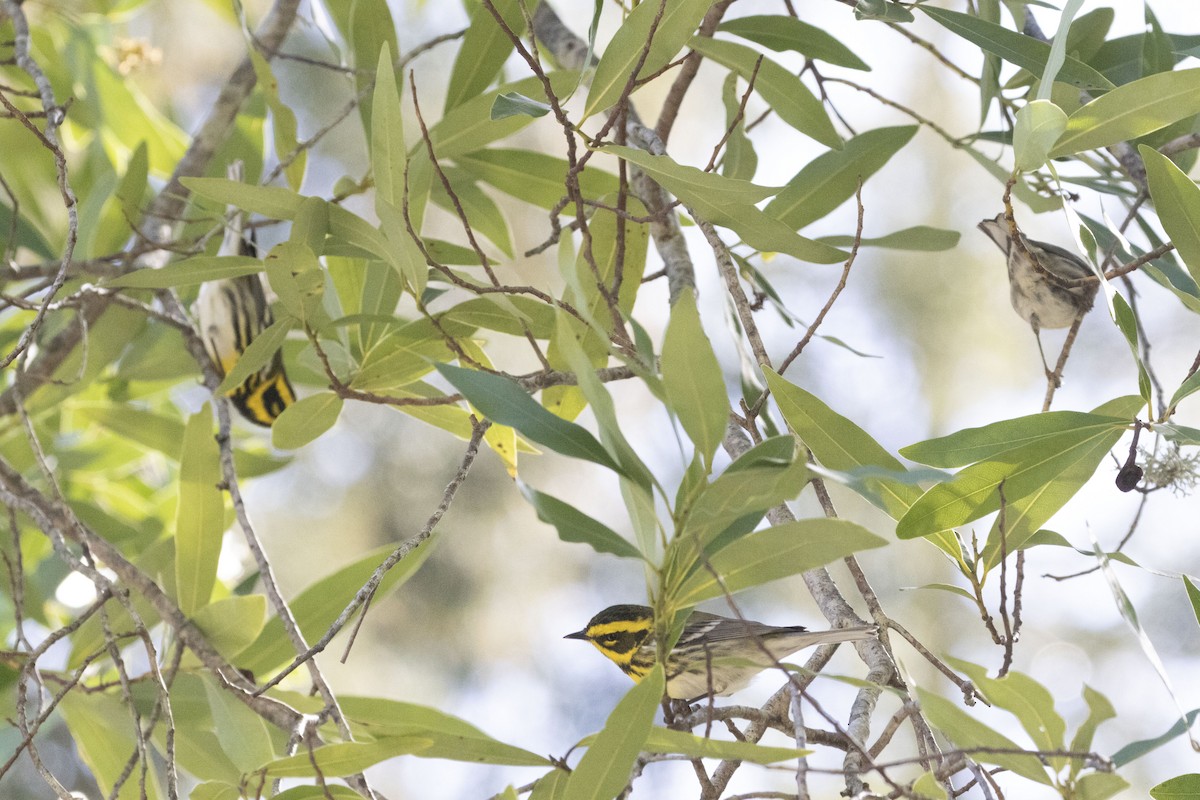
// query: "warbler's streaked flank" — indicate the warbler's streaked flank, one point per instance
point(232, 313)
point(714, 655)
point(1053, 296)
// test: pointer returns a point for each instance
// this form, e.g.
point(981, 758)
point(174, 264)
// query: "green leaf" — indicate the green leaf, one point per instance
point(1130, 111)
point(1183, 787)
point(283, 120)
point(575, 526)
point(389, 153)
point(505, 402)
point(481, 211)
point(783, 91)
point(922, 238)
point(1135, 750)
point(1026, 699)
point(728, 202)
point(101, 727)
point(1016, 48)
point(317, 606)
point(1127, 324)
point(839, 444)
point(214, 790)
point(965, 731)
point(777, 552)
point(343, 758)
point(1177, 201)
point(512, 104)
point(200, 515)
point(1193, 595)
point(1099, 710)
point(324, 792)
point(305, 420)
point(604, 769)
point(368, 27)
point(666, 740)
point(999, 438)
point(832, 178)
point(232, 623)
point(1100, 786)
point(450, 737)
point(1048, 467)
point(187, 272)
point(242, 733)
point(678, 22)
point(782, 33)
point(534, 177)
point(693, 379)
point(740, 161)
point(469, 127)
point(1039, 124)
point(257, 354)
point(485, 48)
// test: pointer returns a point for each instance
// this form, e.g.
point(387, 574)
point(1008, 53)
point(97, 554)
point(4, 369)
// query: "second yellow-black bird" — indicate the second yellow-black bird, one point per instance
point(232, 313)
point(714, 654)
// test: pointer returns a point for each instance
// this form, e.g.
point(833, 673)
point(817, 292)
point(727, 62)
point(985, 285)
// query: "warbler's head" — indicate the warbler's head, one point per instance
point(618, 632)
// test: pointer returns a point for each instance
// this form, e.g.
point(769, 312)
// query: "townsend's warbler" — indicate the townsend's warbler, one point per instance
point(232, 312)
point(714, 654)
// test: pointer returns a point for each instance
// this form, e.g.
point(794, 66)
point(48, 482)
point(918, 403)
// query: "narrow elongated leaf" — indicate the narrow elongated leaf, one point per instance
point(999, 438)
point(537, 178)
point(839, 444)
point(921, 238)
point(832, 178)
point(1135, 750)
point(693, 380)
point(283, 121)
point(1185, 787)
point(1177, 201)
point(485, 48)
point(232, 623)
point(1039, 124)
point(317, 606)
point(782, 33)
point(575, 526)
point(344, 758)
point(1099, 710)
point(784, 92)
point(1026, 699)
point(101, 728)
point(503, 401)
point(1037, 467)
point(1193, 595)
point(1016, 48)
point(200, 515)
point(306, 419)
point(728, 202)
point(1130, 111)
point(666, 740)
point(470, 127)
point(257, 353)
point(188, 272)
point(451, 737)
point(740, 160)
point(389, 154)
point(604, 769)
point(777, 552)
point(675, 26)
point(242, 733)
point(965, 731)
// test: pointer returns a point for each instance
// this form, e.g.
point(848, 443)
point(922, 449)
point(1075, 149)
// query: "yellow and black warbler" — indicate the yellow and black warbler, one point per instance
point(232, 312)
point(714, 654)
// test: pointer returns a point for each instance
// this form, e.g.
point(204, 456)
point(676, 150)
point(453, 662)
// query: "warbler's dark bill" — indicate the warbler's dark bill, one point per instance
point(714, 655)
